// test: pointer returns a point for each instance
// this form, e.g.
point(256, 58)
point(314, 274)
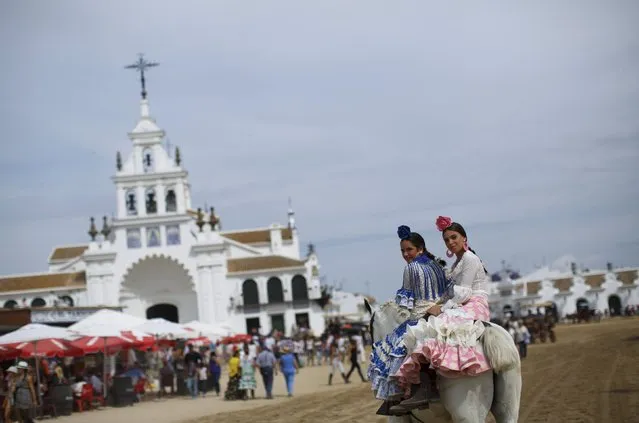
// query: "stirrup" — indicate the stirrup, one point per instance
point(390, 408)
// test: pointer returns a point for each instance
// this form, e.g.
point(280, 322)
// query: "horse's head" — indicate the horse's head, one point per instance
point(385, 318)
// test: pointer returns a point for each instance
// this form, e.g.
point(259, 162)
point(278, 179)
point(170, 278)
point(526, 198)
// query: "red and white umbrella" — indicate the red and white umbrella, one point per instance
point(109, 344)
point(8, 353)
point(48, 348)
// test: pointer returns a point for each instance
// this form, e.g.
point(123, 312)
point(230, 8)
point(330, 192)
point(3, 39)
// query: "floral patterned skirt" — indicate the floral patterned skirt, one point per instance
point(232, 389)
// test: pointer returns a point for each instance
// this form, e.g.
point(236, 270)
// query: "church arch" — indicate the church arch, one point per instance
point(299, 288)
point(165, 311)
point(614, 305)
point(38, 302)
point(159, 279)
point(274, 290)
point(250, 295)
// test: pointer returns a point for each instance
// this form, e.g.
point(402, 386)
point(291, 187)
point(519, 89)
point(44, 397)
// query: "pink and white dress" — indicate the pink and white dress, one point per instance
point(450, 342)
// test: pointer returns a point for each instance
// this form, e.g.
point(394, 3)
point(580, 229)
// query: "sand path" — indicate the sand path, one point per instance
point(310, 380)
point(589, 376)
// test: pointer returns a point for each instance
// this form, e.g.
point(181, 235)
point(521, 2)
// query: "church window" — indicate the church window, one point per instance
point(131, 203)
point(171, 203)
point(133, 238)
point(173, 235)
point(67, 301)
point(147, 160)
point(38, 302)
point(299, 288)
point(153, 236)
point(11, 304)
point(151, 201)
point(274, 290)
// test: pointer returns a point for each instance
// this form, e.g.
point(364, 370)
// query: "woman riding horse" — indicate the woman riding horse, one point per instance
point(424, 284)
point(448, 340)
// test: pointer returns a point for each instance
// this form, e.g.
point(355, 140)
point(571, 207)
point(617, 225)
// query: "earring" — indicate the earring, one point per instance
point(448, 253)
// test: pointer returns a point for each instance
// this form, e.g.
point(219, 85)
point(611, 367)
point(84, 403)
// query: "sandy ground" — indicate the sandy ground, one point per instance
point(589, 375)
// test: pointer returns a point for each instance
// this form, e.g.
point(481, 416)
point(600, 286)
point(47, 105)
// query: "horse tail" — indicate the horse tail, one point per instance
point(499, 348)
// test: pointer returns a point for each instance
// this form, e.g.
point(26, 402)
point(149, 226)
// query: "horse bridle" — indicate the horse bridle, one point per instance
point(370, 326)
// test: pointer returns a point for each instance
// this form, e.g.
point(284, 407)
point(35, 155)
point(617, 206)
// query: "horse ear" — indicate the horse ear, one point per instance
point(368, 306)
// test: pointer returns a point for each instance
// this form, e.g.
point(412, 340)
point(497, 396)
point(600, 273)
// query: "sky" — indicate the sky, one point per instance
point(519, 121)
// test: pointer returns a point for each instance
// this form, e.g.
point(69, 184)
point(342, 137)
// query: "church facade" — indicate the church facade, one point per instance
point(158, 257)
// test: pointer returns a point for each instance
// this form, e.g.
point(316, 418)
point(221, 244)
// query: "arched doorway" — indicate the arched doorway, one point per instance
point(582, 304)
point(614, 305)
point(553, 311)
point(159, 281)
point(507, 310)
point(165, 311)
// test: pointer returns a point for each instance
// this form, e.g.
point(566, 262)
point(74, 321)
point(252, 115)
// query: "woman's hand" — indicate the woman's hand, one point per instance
point(435, 310)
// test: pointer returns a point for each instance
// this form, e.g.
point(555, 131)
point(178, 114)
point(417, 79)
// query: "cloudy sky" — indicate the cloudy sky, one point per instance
point(521, 122)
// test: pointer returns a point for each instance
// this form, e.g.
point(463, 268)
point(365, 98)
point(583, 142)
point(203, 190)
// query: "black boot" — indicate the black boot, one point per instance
point(422, 395)
point(345, 378)
point(330, 379)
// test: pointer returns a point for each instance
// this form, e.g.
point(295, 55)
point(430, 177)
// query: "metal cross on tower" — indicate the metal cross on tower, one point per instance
point(141, 65)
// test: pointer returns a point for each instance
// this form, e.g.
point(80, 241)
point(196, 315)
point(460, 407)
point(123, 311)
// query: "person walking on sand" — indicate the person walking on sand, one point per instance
point(289, 368)
point(247, 382)
point(354, 353)
point(266, 361)
point(336, 363)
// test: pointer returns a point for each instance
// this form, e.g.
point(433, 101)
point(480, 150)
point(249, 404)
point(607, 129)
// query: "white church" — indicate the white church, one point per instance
point(159, 257)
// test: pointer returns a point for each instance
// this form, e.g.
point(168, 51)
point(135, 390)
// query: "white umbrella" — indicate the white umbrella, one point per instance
point(34, 332)
point(106, 320)
point(163, 328)
point(204, 329)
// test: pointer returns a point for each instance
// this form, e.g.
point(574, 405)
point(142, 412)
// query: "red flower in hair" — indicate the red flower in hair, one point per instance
point(443, 223)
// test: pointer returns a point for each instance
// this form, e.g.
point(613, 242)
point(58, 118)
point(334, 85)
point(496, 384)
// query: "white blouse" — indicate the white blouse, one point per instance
point(469, 278)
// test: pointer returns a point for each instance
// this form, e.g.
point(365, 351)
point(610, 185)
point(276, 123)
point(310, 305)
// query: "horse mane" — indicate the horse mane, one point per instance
point(391, 306)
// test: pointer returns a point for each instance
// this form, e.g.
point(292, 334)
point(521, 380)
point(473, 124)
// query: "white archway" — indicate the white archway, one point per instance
point(158, 279)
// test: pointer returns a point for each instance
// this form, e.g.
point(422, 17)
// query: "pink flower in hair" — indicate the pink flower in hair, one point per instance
point(443, 223)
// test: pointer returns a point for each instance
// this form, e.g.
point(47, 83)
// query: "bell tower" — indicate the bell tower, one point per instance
point(151, 187)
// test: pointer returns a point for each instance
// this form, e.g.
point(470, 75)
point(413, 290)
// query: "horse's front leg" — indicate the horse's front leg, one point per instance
point(468, 398)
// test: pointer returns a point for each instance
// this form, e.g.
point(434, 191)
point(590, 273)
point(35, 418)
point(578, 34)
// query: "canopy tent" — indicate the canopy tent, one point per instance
point(162, 328)
point(211, 331)
point(106, 321)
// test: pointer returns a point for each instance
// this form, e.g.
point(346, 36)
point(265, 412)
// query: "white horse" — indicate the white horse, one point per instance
point(466, 399)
